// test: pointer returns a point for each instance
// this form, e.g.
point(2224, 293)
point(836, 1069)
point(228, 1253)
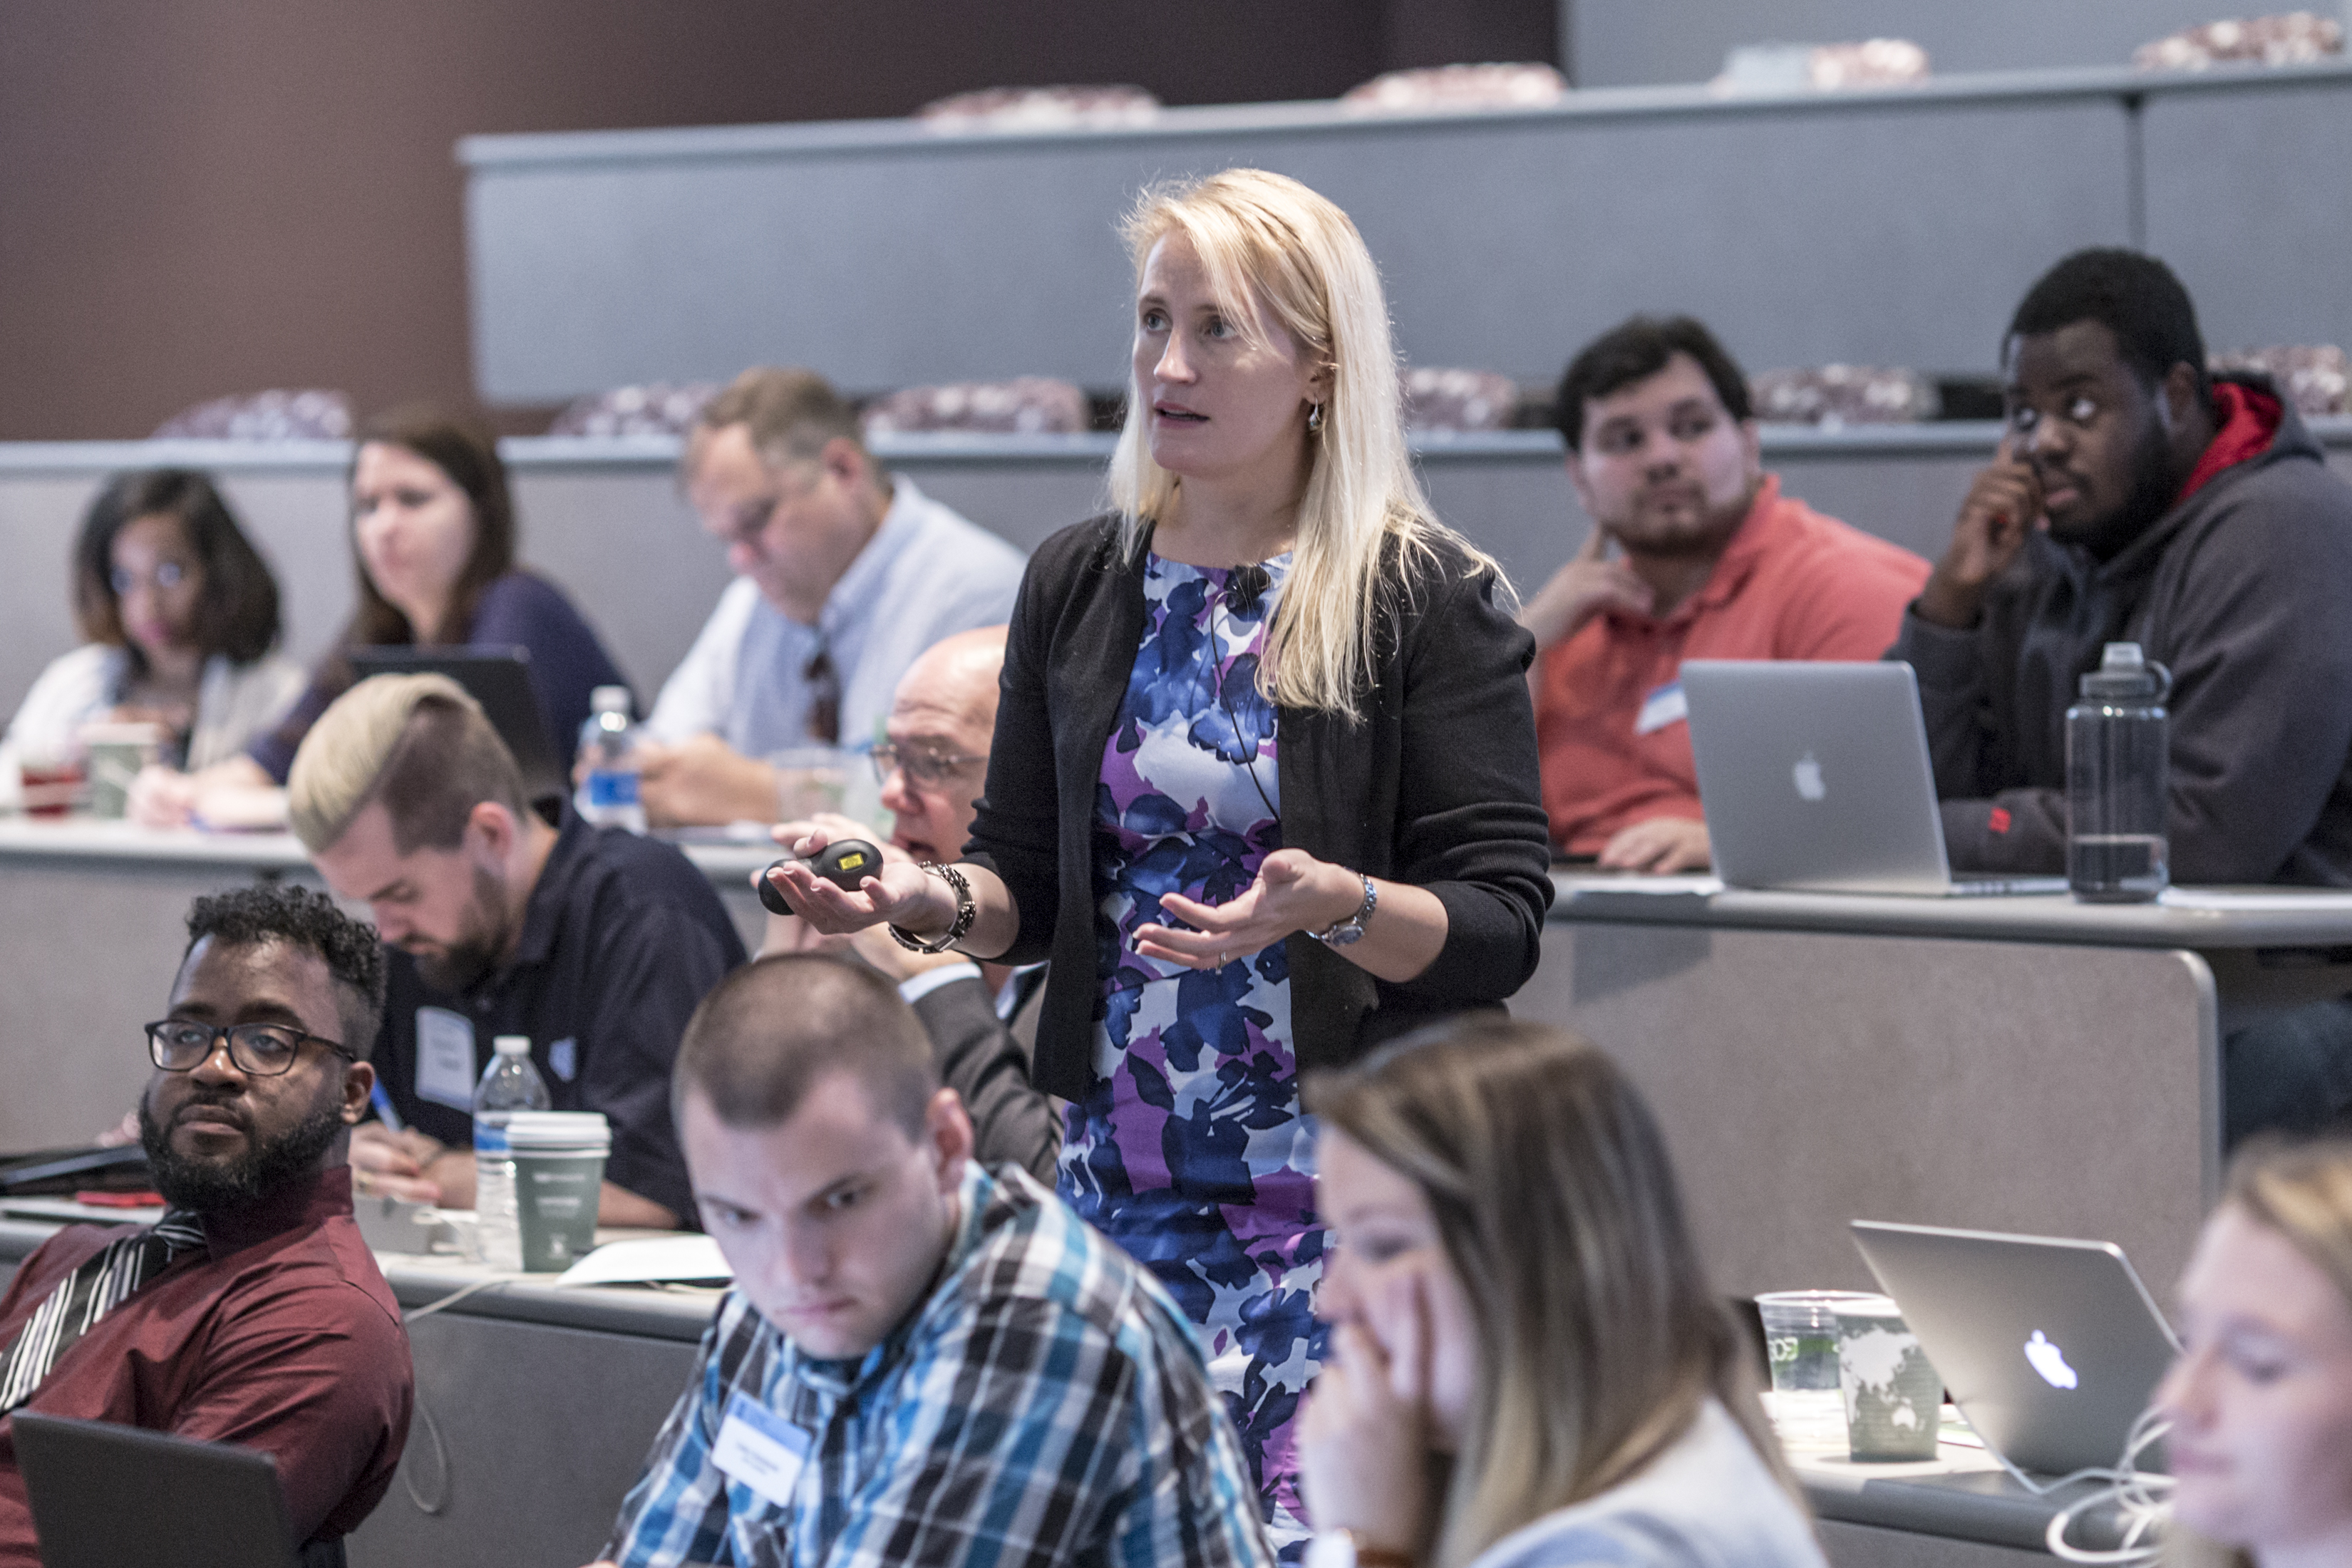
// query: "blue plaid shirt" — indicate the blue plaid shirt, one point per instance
point(1046, 1405)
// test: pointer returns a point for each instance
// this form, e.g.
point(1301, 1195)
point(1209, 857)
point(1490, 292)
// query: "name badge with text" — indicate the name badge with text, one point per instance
point(760, 1449)
point(1661, 708)
point(445, 1058)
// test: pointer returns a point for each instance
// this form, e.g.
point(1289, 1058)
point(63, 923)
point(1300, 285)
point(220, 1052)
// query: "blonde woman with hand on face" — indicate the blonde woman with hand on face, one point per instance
point(2260, 1402)
point(1263, 786)
point(1527, 1369)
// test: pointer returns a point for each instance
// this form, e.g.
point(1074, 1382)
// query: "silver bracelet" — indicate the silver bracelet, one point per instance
point(966, 913)
point(1350, 930)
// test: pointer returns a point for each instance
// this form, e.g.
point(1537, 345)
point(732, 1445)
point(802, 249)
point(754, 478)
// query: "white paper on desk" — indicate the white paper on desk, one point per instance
point(2281, 901)
point(651, 1260)
point(1686, 885)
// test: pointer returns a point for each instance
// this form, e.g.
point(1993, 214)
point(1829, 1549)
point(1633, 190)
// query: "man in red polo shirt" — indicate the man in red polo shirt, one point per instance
point(1716, 564)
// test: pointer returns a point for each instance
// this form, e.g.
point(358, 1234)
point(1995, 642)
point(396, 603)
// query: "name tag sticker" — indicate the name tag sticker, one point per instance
point(760, 1449)
point(445, 1058)
point(1660, 709)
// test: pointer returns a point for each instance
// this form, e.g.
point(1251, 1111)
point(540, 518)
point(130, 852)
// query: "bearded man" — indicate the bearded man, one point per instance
point(593, 943)
point(251, 1312)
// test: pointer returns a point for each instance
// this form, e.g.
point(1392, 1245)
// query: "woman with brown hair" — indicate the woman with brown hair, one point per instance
point(1528, 1368)
point(2260, 1402)
point(178, 614)
point(434, 538)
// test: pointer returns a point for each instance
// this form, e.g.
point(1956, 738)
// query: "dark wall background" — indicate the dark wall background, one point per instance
point(219, 195)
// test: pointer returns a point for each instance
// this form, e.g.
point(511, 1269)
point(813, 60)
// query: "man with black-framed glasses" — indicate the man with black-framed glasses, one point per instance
point(251, 1312)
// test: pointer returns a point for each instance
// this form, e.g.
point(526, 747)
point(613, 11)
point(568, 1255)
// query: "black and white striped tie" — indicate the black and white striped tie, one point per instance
point(87, 1294)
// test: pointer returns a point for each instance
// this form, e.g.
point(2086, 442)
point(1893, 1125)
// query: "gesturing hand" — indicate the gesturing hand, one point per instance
point(1294, 891)
point(2004, 506)
point(1589, 584)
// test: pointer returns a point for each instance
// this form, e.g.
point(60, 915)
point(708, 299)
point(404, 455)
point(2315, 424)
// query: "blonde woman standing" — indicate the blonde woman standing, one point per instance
point(1529, 1369)
point(1264, 785)
point(2260, 1401)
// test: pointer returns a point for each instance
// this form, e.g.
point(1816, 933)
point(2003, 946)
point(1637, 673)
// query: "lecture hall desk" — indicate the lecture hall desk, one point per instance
point(2018, 1064)
point(543, 1400)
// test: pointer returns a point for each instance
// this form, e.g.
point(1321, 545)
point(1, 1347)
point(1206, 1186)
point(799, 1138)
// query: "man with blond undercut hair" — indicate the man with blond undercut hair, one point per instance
point(593, 943)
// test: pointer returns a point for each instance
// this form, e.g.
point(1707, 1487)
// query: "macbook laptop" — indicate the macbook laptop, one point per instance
point(104, 1495)
point(2050, 1347)
point(501, 682)
point(1815, 778)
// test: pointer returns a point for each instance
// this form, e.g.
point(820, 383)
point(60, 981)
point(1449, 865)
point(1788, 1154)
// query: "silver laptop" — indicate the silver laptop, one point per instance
point(2050, 1347)
point(1815, 778)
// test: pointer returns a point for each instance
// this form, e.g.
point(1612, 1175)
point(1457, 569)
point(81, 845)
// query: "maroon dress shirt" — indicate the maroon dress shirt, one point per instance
point(279, 1333)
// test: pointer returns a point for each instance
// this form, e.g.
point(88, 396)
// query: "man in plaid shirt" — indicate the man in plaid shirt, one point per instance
point(921, 1362)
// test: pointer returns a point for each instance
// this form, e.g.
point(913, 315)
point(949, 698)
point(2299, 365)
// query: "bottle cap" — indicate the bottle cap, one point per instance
point(2124, 671)
point(511, 1045)
point(609, 699)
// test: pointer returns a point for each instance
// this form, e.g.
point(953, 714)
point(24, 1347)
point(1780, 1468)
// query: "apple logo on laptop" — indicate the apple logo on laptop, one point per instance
point(2050, 1361)
point(1808, 775)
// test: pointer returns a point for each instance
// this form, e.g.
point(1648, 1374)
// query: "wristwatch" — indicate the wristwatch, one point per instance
point(1340, 1549)
point(1350, 930)
point(965, 911)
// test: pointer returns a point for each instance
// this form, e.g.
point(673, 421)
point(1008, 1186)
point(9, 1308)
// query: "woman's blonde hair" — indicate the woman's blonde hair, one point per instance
point(1598, 1338)
point(2303, 1190)
point(1266, 239)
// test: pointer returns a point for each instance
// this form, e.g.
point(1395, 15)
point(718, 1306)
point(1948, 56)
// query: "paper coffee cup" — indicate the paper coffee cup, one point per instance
point(116, 754)
point(559, 1166)
point(1893, 1397)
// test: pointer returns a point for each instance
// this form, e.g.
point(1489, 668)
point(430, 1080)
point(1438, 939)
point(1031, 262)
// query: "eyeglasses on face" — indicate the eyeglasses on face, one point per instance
point(259, 1050)
point(920, 768)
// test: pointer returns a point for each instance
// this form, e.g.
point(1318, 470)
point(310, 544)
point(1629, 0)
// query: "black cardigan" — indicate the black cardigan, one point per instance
point(1437, 785)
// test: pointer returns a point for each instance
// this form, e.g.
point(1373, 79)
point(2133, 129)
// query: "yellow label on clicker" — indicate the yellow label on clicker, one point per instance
point(850, 862)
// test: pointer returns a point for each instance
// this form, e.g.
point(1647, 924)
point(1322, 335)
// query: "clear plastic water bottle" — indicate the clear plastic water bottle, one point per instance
point(509, 1084)
point(2116, 852)
point(607, 796)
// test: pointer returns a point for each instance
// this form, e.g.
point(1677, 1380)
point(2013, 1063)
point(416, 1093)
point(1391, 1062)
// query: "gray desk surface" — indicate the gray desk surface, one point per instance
point(1963, 1496)
point(80, 839)
point(418, 1281)
point(2322, 920)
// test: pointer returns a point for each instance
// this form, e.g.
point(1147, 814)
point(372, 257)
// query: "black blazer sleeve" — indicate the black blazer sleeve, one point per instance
point(1470, 822)
point(979, 1058)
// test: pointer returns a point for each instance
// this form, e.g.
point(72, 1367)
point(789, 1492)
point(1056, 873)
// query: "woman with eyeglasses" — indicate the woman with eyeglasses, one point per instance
point(180, 617)
point(434, 542)
point(1263, 783)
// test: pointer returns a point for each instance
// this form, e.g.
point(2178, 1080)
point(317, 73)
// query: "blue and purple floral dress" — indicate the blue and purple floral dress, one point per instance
point(1191, 1149)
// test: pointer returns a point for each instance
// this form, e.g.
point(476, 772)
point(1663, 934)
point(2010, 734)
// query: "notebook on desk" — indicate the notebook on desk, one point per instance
point(2050, 1347)
point(1815, 778)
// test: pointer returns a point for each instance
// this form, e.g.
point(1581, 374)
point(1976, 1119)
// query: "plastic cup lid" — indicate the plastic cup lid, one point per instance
point(584, 1130)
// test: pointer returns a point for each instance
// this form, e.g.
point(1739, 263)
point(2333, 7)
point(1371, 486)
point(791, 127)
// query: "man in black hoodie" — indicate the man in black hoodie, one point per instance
point(2137, 499)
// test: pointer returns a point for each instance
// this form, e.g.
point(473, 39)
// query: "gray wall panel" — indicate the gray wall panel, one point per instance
point(1620, 43)
point(1810, 233)
point(2248, 197)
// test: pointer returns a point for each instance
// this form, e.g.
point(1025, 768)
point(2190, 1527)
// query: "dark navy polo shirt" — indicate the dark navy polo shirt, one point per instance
point(623, 936)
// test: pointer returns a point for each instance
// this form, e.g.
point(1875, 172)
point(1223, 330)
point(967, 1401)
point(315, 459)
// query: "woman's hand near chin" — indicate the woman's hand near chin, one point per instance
point(1365, 1445)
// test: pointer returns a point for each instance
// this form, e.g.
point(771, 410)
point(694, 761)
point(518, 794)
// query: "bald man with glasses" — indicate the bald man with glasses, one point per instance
point(251, 1312)
point(932, 764)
